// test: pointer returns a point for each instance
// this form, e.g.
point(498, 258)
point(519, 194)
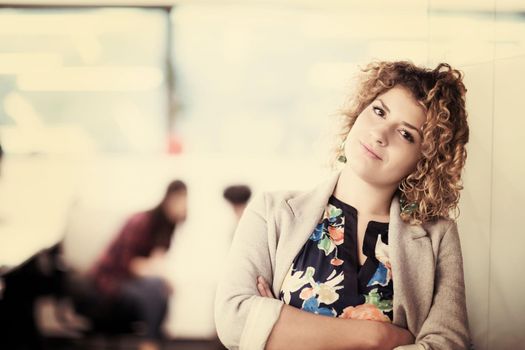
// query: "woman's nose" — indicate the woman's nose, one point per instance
point(379, 135)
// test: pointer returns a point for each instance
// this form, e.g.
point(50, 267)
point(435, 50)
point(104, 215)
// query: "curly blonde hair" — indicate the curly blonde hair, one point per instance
point(432, 191)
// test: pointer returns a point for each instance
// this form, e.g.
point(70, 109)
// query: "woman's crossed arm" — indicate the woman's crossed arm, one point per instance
point(297, 329)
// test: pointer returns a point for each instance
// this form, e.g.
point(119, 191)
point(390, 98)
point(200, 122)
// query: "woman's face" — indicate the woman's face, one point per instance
point(384, 145)
point(176, 206)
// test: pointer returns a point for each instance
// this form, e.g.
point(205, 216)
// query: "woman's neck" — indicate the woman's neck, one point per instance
point(367, 198)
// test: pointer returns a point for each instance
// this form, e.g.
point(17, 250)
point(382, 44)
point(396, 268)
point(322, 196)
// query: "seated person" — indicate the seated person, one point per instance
point(127, 276)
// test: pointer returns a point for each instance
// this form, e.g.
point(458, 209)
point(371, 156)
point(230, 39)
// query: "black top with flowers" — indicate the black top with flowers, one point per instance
point(325, 277)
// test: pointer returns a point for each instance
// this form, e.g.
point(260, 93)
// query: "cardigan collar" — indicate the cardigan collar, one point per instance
point(307, 209)
point(311, 204)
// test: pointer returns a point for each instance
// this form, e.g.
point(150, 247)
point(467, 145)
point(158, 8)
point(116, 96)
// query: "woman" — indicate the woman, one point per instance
point(128, 275)
point(374, 247)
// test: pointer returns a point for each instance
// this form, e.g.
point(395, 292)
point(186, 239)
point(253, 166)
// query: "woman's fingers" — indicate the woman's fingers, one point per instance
point(268, 290)
point(261, 290)
point(264, 288)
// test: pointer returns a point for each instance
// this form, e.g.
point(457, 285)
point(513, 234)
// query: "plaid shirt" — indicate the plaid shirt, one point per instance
point(136, 239)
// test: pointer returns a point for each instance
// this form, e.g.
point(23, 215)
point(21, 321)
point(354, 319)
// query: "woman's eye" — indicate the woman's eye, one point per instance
point(407, 136)
point(379, 111)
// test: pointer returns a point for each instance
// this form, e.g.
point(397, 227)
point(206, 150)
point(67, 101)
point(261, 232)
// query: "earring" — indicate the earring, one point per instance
point(342, 157)
point(407, 208)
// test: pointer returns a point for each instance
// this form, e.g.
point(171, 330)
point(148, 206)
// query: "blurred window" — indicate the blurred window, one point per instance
point(250, 79)
point(83, 80)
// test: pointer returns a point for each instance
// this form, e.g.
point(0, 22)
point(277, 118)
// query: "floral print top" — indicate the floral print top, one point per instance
point(325, 277)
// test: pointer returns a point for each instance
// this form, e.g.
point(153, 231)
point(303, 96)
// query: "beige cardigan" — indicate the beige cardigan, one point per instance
point(427, 270)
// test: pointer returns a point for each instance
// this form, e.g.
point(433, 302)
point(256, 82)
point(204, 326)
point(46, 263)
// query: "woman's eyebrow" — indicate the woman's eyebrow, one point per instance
point(384, 105)
point(410, 126)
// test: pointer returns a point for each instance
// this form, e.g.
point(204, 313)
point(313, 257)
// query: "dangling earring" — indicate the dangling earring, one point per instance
point(342, 157)
point(407, 208)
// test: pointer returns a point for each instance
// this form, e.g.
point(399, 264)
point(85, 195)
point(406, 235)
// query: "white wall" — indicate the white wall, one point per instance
point(493, 59)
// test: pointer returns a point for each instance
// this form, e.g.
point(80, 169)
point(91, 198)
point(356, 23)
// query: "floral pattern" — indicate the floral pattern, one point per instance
point(325, 277)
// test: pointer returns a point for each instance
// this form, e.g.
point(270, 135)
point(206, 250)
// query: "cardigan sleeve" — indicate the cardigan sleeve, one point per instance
point(446, 326)
point(244, 319)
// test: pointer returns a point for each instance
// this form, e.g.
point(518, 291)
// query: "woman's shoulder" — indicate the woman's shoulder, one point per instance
point(281, 195)
point(438, 228)
point(305, 201)
point(274, 200)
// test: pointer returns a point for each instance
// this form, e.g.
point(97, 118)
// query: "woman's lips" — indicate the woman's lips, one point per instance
point(368, 151)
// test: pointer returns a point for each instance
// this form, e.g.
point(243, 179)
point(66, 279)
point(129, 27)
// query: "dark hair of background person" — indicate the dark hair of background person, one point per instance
point(238, 194)
point(162, 227)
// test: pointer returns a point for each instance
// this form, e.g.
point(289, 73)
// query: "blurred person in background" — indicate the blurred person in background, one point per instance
point(370, 258)
point(21, 285)
point(238, 196)
point(129, 275)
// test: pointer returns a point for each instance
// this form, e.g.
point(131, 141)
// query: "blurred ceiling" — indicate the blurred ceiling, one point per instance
point(438, 5)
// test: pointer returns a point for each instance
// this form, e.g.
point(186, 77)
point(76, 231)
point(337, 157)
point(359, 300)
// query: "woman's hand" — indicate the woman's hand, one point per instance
point(264, 288)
